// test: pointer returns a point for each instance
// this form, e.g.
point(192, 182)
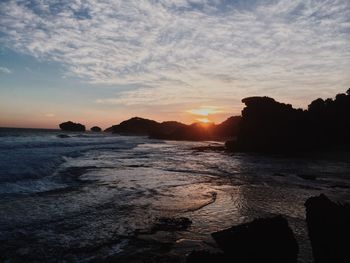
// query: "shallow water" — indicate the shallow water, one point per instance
point(96, 197)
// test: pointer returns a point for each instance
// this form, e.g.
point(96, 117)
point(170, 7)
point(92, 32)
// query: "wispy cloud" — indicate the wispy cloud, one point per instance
point(187, 50)
point(4, 70)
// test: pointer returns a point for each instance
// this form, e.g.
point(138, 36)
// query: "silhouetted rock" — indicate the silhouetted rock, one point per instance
point(194, 132)
point(96, 129)
point(262, 240)
point(268, 125)
point(172, 130)
point(330, 122)
point(229, 128)
point(135, 126)
point(167, 130)
point(71, 126)
point(271, 126)
point(329, 229)
point(209, 131)
point(171, 126)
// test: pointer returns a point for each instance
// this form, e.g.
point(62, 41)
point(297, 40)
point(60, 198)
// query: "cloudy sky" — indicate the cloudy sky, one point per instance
point(102, 61)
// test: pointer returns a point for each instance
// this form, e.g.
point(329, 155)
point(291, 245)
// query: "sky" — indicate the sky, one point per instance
point(99, 62)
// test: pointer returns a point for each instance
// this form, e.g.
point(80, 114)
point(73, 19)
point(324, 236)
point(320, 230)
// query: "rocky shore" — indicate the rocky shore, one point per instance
point(272, 240)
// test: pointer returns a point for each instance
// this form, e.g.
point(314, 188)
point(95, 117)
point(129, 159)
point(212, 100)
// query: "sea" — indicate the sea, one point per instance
point(96, 197)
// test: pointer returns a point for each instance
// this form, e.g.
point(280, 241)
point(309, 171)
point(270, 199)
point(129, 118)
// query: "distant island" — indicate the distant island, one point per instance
point(71, 126)
point(265, 126)
point(95, 129)
point(172, 130)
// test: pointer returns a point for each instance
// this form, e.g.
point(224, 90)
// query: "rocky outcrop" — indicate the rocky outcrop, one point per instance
point(228, 128)
point(71, 126)
point(96, 129)
point(329, 229)
point(135, 126)
point(201, 132)
point(172, 130)
point(271, 126)
point(262, 240)
point(193, 132)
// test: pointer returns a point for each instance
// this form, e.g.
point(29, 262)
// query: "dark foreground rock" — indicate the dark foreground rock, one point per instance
point(329, 229)
point(96, 129)
point(71, 126)
point(262, 240)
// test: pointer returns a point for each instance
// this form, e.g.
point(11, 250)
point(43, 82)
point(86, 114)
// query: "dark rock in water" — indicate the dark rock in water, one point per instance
point(205, 257)
point(262, 240)
point(172, 224)
point(96, 129)
point(329, 229)
point(63, 136)
point(307, 176)
point(71, 126)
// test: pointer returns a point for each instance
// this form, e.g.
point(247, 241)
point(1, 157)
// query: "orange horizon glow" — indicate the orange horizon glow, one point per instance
point(51, 118)
point(204, 120)
point(53, 122)
point(204, 111)
point(205, 114)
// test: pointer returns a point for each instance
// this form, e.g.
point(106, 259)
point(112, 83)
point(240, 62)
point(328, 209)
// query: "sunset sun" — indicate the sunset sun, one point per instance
point(204, 114)
point(204, 120)
point(204, 111)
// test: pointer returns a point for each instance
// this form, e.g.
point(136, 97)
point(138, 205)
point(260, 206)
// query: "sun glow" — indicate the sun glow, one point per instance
point(204, 120)
point(204, 111)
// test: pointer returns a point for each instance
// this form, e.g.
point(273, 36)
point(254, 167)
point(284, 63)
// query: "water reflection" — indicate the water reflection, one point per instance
point(118, 194)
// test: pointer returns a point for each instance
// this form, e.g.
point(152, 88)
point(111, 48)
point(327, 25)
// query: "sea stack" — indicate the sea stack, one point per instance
point(71, 126)
point(96, 129)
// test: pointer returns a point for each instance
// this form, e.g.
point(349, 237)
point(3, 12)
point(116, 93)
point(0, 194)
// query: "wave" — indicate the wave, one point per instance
point(39, 155)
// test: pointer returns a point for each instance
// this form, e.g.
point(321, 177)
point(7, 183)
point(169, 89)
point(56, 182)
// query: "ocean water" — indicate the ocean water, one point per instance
point(94, 197)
